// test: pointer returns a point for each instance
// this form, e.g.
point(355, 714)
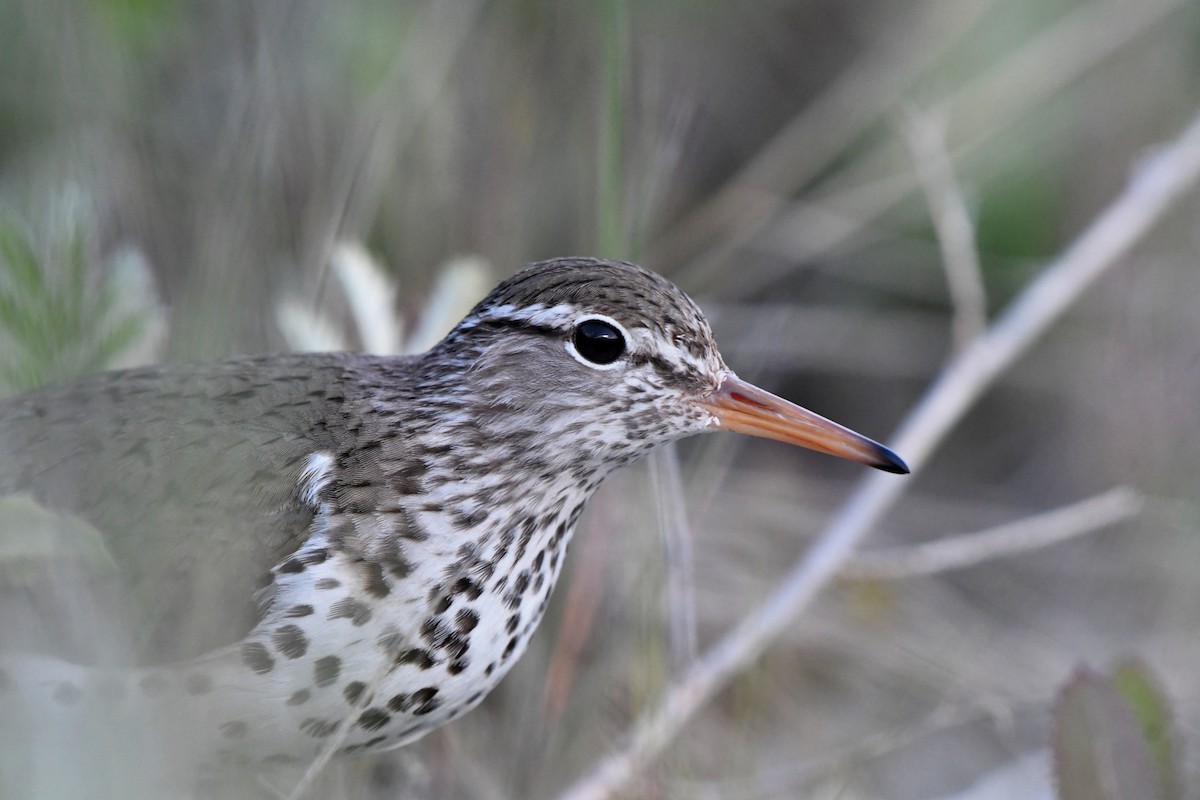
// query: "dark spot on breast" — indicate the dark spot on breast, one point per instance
point(299, 610)
point(373, 719)
point(456, 646)
point(512, 599)
point(318, 728)
point(410, 529)
point(513, 622)
point(234, 730)
point(465, 522)
point(490, 668)
point(502, 544)
point(399, 567)
point(510, 648)
point(299, 698)
point(528, 529)
point(458, 665)
point(521, 583)
point(483, 571)
point(425, 695)
point(290, 641)
point(400, 703)
point(425, 700)
point(351, 609)
point(264, 580)
point(555, 512)
point(197, 684)
point(372, 578)
point(353, 691)
point(327, 583)
point(67, 694)
point(292, 566)
point(351, 749)
point(465, 620)
point(434, 630)
point(256, 657)
point(416, 655)
point(326, 670)
point(408, 480)
point(443, 604)
point(468, 587)
point(314, 557)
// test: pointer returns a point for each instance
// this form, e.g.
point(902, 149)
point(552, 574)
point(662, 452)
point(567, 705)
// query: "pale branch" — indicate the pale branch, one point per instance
point(925, 135)
point(1158, 183)
point(1002, 541)
point(666, 480)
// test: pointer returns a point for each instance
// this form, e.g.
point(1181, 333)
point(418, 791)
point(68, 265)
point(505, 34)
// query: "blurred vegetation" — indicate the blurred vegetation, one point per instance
point(751, 152)
point(1114, 738)
point(61, 315)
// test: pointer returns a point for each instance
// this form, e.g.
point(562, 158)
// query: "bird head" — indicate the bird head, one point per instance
point(614, 359)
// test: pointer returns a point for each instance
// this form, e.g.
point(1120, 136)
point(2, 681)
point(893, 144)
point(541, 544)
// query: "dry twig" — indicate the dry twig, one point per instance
point(857, 99)
point(981, 109)
point(1010, 539)
point(1156, 186)
point(925, 134)
point(667, 481)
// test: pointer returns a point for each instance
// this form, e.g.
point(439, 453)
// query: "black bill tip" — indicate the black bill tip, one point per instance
point(889, 461)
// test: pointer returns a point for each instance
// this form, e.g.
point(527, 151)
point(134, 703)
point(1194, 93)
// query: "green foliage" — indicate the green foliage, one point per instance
point(141, 29)
point(57, 320)
point(612, 238)
point(1019, 218)
point(1112, 738)
point(1141, 692)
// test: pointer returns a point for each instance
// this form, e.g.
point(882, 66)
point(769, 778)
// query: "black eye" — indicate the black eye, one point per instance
point(598, 341)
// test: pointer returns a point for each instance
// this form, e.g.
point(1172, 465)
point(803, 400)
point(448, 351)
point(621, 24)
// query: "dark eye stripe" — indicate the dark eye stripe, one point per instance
point(510, 324)
point(658, 363)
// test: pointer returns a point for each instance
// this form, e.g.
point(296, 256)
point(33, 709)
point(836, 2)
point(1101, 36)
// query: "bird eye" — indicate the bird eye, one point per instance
point(598, 341)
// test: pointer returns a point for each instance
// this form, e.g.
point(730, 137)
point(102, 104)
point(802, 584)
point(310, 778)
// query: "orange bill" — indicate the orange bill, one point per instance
point(744, 408)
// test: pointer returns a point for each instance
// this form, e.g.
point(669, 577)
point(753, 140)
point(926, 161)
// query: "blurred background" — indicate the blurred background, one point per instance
point(186, 181)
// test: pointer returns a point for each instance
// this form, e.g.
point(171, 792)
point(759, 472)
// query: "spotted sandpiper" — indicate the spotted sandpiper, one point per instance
point(356, 549)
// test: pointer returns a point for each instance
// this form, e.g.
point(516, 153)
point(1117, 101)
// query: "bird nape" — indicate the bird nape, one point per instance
point(302, 552)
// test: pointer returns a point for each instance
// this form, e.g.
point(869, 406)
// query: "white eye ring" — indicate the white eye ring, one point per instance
point(616, 363)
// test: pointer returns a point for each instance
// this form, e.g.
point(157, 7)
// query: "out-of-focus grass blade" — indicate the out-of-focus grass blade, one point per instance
point(1141, 691)
point(21, 263)
point(1099, 750)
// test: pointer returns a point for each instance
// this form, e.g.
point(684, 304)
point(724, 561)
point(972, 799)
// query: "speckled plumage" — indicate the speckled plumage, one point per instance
point(385, 530)
point(308, 541)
